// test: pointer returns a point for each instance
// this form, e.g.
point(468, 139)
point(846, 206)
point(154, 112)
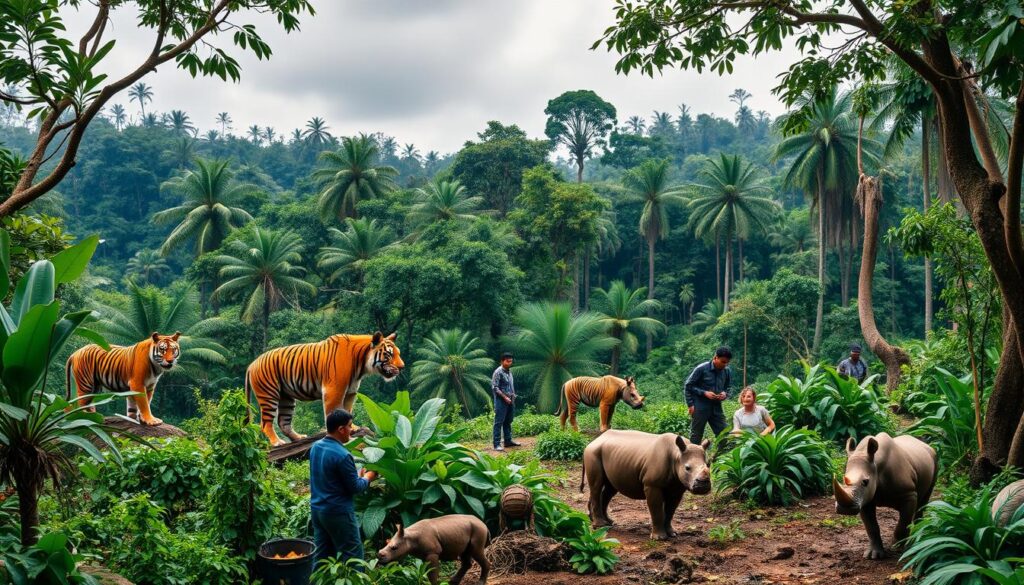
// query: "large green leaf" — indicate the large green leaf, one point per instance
point(403, 430)
point(35, 288)
point(5, 263)
point(65, 328)
point(70, 263)
point(427, 418)
point(373, 517)
point(382, 421)
point(27, 352)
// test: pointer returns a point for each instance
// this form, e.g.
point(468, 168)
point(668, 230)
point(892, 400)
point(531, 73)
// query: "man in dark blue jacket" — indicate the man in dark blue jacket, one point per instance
point(705, 390)
point(333, 483)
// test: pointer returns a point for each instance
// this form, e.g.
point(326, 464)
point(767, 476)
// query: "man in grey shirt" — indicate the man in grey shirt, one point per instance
point(853, 366)
point(504, 389)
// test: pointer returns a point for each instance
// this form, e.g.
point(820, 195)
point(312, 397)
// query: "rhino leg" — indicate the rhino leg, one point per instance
point(435, 568)
point(656, 506)
point(596, 481)
point(875, 549)
point(607, 493)
point(672, 501)
point(480, 556)
point(908, 511)
point(464, 562)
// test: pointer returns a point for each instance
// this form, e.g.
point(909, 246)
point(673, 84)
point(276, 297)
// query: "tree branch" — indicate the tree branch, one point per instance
point(1015, 166)
point(97, 25)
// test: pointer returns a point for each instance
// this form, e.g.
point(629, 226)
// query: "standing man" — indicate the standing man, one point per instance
point(705, 390)
point(333, 483)
point(853, 366)
point(504, 390)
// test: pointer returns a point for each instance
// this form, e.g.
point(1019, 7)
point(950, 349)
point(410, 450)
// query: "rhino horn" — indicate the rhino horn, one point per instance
point(843, 497)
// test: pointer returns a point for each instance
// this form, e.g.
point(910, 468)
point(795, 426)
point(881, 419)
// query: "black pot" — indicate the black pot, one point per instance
point(295, 571)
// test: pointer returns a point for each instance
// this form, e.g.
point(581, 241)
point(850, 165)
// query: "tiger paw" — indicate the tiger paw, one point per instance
point(152, 421)
point(297, 436)
point(362, 432)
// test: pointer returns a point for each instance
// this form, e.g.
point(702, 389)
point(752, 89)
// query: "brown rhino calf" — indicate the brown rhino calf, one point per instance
point(604, 392)
point(448, 538)
point(886, 472)
point(1007, 502)
point(642, 466)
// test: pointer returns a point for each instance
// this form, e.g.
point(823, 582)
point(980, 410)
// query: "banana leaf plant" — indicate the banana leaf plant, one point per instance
point(41, 431)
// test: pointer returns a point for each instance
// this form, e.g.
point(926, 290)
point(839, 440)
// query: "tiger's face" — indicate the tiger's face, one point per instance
point(165, 350)
point(385, 358)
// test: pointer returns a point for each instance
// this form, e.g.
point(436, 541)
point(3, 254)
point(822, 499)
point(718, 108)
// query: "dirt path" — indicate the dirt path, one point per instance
point(807, 543)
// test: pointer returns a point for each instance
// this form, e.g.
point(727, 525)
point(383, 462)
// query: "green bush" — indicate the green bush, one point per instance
point(478, 428)
point(171, 475)
point(672, 418)
point(561, 446)
point(592, 552)
point(634, 420)
point(531, 425)
point(948, 418)
point(333, 571)
point(47, 561)
point(965, 545)
point(778, 468)
point(723, 534)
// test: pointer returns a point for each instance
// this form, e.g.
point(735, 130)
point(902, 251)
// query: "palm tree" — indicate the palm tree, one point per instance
point(151, 121)
point(430, 161)
point(255, 134)
point(261, 269)
point(745, 120)
point(142, 93)
point(649, 184)
point(388, 146)
point(687, 296)
point(270, 134)
point(636, 125)
point(181, 153)
point(180, 122)
point(454, 365)
point(207, 215)
point(442, 200)
point(824, 167)
point(732, 202)
point(353, 247)
point(554, 344)
point(118, 116)
point(793, 233)
point(661, 124)
point(296, 136)
point(350, 175)
point(224, 119)
point(622, 311)
point(607, 244)
point(212, 136)
point(148, 266)
point(740, 96)
point(709, 315)
point(409, 151)
point(706, 130)
point(149, 309)
point(316, 134)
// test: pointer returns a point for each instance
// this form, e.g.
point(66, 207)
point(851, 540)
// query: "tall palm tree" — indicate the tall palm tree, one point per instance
point(661, 124)
point(409, 151)
point(430, 161)
point(731, 203)
point(262, 269)
point(442, 200)
point(452, 364)
point(793, 233)
point(636, 125)
point(649, 184)
point(255, 134)
point(745, 120)
point(553, 345)
point(208, 213)
point(350, 175)
point(142, 93)
point(362, 240)
point(270, 134)
point(316, 134)
point(181, 153)
point(148, 266)
point(181, 124)
point(118, 116)
point(623, 313)
point(212, 136)
point(388, 146)
point(740, 96)
point(149, 309)
point(607, 244)
point(709, 315)
point(224, 119)
point(687, 296)
point(151, 121)
point(296, 136)
point(823, 144)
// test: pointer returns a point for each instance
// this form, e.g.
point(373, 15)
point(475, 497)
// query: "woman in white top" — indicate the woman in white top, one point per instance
point(751, 416)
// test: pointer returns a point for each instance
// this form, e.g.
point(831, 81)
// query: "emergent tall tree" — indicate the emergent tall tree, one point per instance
point(623, 311)
point(580, 121)
point(350, 175)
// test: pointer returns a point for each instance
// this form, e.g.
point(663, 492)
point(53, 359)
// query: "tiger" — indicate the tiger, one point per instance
point(328, 370)
point(135, 368)
point(604, 392)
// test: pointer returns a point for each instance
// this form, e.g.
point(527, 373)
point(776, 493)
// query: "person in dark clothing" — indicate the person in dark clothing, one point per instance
point(706, 388)
point(853, 366)
point(504, 390)
point(333, 483)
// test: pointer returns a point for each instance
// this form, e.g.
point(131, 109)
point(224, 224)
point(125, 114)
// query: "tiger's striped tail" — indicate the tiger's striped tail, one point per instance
point(248, 397)
point(67, 380)
point(561, 400)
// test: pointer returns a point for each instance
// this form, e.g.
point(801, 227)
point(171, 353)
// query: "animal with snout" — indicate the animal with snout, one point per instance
point(604, 392)
point(1007, 502)
point(448, 538)
point(643, 466)
point(883, 471)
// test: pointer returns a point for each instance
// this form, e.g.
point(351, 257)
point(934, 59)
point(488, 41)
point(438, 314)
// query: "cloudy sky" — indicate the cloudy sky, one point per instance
point(434, 72)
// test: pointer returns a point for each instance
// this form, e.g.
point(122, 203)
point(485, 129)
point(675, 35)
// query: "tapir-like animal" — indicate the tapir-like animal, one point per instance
point(1007, 502)
point(448, 538)
point(604, 392)
point(643, 466)
point(887, 472)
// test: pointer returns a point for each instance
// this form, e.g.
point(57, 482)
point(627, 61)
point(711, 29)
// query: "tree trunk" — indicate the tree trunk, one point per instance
point(575, 296)
point(579, 170)
point(926, 173)
point(616, 352)
point(718, 269)
point(1002, 433)
point(869, 195)
point(728, 274)
point(946, 190)
point(650, 286)
point(586, 279)
point(820, 314)
point(740, 244)
point(844, 274)
point(28, 487)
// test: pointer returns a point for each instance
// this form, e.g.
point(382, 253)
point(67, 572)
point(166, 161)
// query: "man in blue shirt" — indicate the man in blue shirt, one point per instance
point(333, 483)
point(853, 366)
point(504, 390)
point(705, 390)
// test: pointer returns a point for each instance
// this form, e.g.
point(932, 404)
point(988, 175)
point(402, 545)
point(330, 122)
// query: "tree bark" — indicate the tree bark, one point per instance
point(926, 183)
point(616, 352)
point(718, 268)
point(820, 313)
point(28, 487)
point(650, 285)
point(1005, 408)
point(739, 244)
point(728, 274)
point(575, 296)
point(586, 278)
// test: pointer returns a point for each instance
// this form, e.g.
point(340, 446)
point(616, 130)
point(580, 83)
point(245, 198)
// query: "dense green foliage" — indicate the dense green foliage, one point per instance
point(561, 445)
point(777, 468)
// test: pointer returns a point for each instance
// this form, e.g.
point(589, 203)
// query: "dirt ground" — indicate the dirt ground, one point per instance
point(807, 544)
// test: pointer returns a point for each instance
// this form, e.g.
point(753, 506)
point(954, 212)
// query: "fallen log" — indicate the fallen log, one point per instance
point(294, 451)
point(122, 427)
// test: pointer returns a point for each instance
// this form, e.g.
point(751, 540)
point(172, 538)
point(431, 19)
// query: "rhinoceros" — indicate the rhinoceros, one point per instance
point(1007, 502)
point(642, 466)
point(886, 472)
point(447, 538)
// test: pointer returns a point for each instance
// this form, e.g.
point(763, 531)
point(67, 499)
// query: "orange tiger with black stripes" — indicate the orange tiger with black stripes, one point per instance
point(134, 368)
point(604, 392)
point(329, 370)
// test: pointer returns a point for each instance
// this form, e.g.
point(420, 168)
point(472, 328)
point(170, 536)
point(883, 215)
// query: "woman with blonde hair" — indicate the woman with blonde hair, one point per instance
point(751, 416)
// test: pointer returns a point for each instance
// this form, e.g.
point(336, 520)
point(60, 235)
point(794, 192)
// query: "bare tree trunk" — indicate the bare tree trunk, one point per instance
point(28, 488)
point(820, 314)
point(579, 170)
point(586, 279)
point(728, 273)
point(926, 173)
point(575, 296)
point(718, 268)
point(740, 244)
point(650, 285)
point(1002, 433)
point(844, 273)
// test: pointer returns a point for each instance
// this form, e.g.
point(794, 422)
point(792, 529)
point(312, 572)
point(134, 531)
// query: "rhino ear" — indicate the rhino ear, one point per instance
point(401, 532)
point(705, 444)
point(850, 445)
point(872, 449)
point(681, 443)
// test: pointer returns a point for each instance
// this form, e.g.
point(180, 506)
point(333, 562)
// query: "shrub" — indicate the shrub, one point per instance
point(561, 446)
point(948, 422)
point(47, 561)
point(634, 420)
point(790, 399)
point(475, 429)
point(531, 425)
point(776, 468)
point(333, 571)
point(593, 552)
point(672, 418)
point(964, 545)
point(171, 475)
point(723, 534)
